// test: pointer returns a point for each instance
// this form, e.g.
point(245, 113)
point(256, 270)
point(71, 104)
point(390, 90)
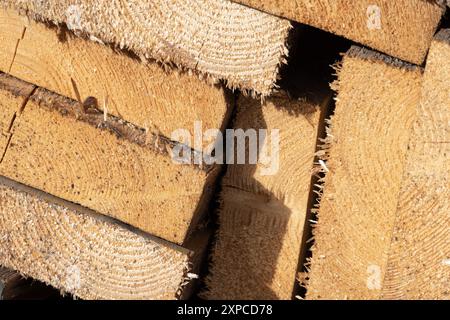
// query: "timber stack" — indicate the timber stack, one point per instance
point(219, 149)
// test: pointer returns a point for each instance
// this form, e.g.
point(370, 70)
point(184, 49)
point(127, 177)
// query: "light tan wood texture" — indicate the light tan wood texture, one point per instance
point(217, 39)
point(365, 157)
point(403, 29)
point(419, 257)
point(262, 213)
point(143, 94)
point(61, 147)
point(82, 253)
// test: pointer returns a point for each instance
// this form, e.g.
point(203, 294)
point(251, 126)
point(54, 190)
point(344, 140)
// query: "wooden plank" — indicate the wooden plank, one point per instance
point(113, 167)
point(366, 150)
point(419, 259)
point(144, 94)
point(217, 39)
point(83, 253)
point(262, 214)
point(403, 29)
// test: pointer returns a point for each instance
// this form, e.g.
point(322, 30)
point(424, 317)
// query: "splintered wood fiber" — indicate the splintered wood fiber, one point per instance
point(143, 94)
point(403, 29)
point(419, 259)
point(83, 254)
point(54, 144)
point(217, 39)
point(261, 217)
point(366, 153)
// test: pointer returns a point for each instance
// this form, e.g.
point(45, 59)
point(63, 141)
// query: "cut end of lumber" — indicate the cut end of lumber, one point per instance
point(418, 265)
point(403, 29)
point(152, 97)
point(365, 157)
point(54, 144)
point(83, 254)
point(261, 217)
point(217, 39)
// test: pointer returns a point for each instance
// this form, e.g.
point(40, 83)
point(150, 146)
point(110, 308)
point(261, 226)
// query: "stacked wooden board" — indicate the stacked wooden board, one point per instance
point(217, 39)
point(348, 199)
point(367, 141)
point(384, 212)
point(77, 147)
point(80, 252)
point(403, 29)
point(418, 261)
point(121, 84)
point(93, 126)
point(262, 216)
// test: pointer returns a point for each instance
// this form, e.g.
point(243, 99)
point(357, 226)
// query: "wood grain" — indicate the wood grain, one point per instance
point(56, 148)
point(81, 253)
point(262, 216)
point(143, 94)
point(403, 29)
point(419, 258)
point(366, 153)
point(217, 40)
